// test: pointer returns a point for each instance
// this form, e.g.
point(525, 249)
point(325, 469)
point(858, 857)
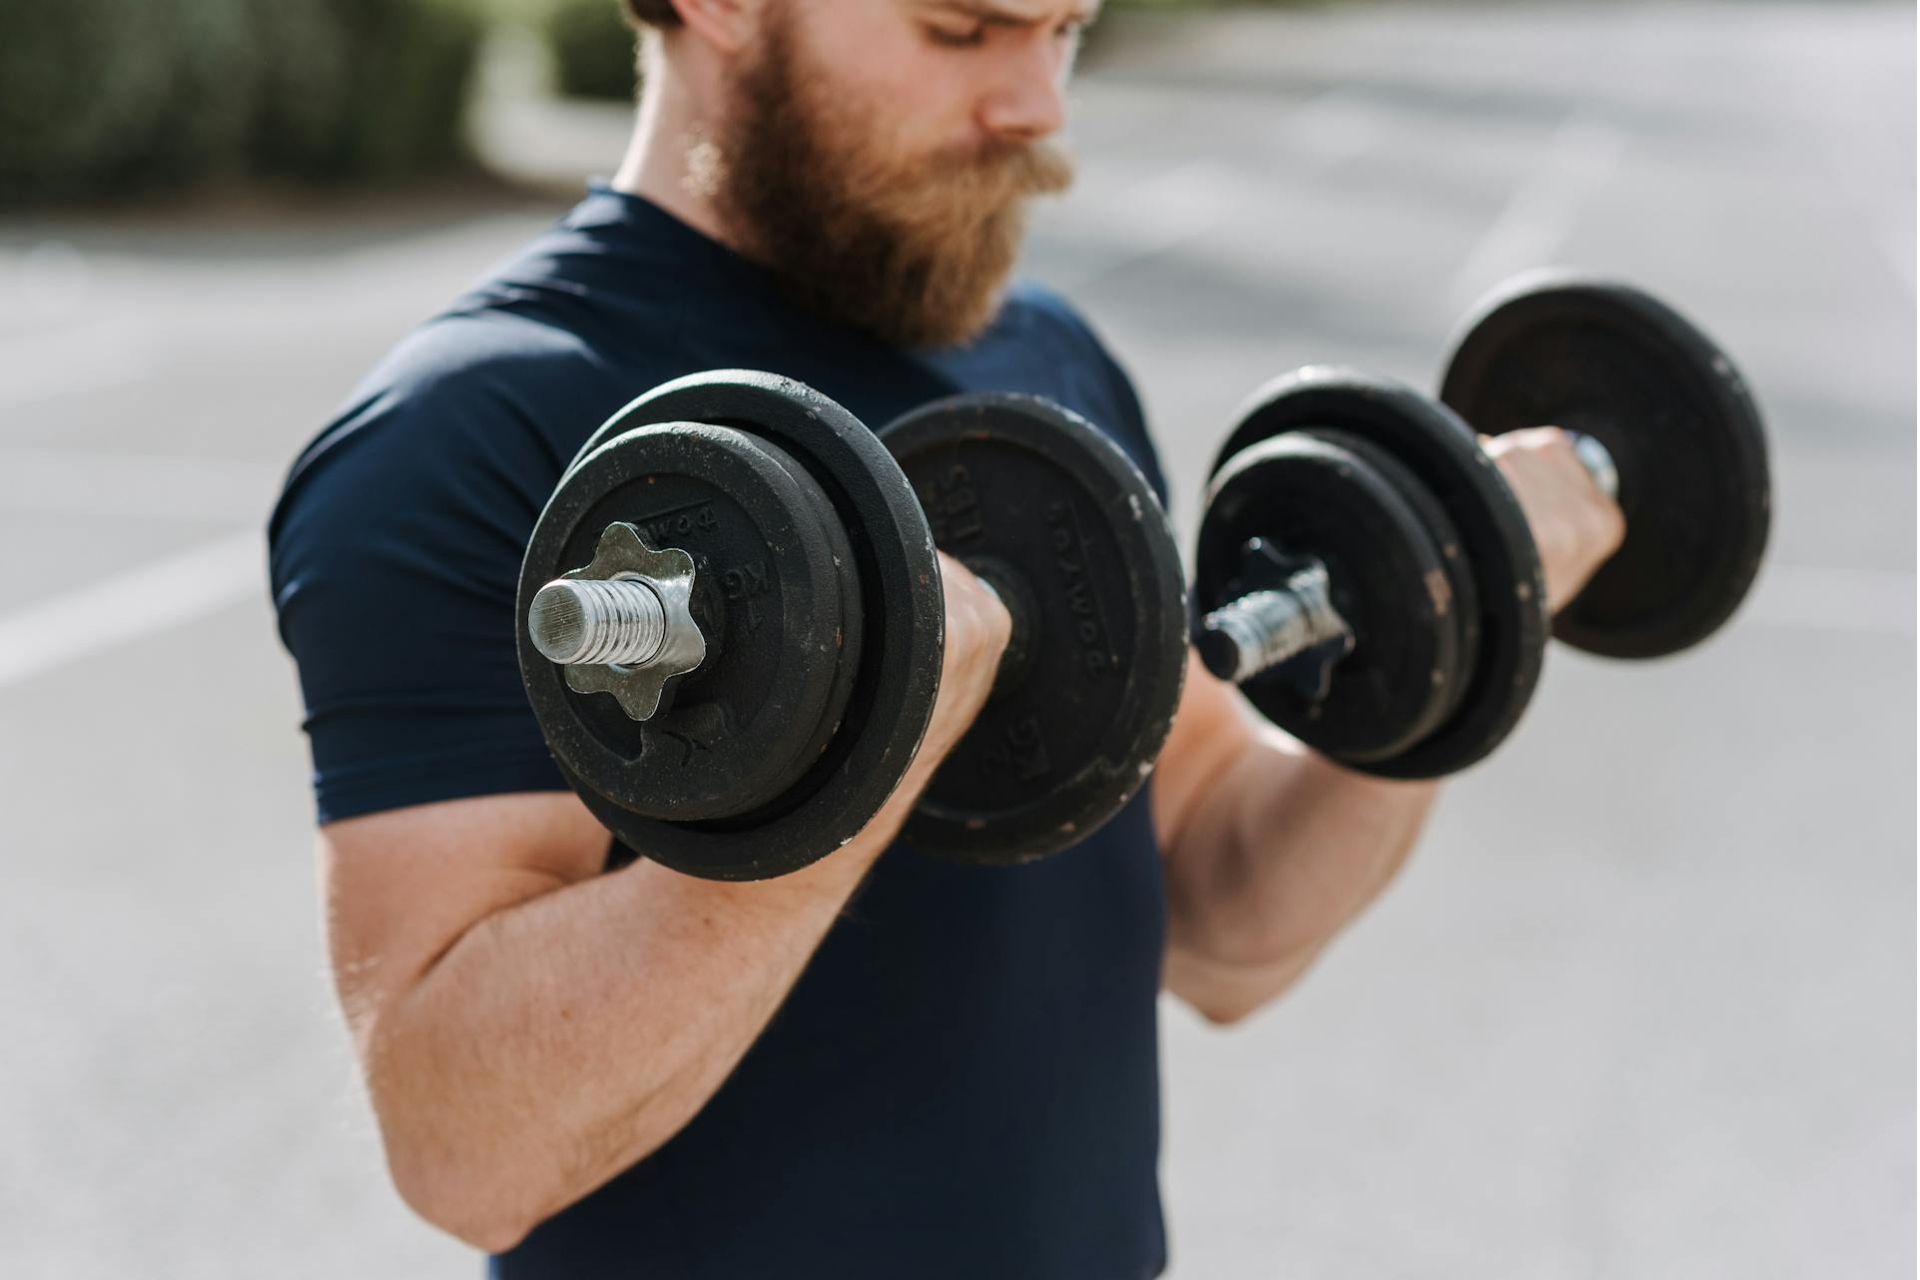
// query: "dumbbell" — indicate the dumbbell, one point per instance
point(1368, 578)
point(730, 623)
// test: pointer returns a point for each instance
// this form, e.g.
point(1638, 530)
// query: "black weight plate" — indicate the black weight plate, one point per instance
point(1459, 592)
point(1040, 496)
point(1343, 502)
point(893, 677)
point(1445, 458)
point(1610, 361)
point(772, 569)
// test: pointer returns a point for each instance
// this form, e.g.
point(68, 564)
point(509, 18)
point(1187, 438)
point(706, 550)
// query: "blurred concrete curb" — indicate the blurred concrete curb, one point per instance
point(527, 134)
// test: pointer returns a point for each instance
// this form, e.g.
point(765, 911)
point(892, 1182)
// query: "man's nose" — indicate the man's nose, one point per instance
point(1030, 102)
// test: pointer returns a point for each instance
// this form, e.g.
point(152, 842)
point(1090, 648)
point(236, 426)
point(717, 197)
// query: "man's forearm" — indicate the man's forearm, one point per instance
point(562, 1039)
point(1283, 851)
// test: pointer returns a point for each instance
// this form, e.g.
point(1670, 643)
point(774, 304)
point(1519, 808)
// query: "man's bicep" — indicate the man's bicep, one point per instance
point(1219, 765)
point(403, 886)
point(1210, 731)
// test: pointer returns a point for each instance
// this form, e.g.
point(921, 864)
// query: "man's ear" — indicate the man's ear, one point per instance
point(727, 25)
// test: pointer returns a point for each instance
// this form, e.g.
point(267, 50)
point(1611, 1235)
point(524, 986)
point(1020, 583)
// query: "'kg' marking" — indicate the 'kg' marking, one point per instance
point(742, 583)
point(952, 509)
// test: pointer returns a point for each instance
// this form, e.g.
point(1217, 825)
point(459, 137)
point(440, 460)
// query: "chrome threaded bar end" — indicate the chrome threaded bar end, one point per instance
point(575, 621)
point(1599, 464)
point(1263, 629)
point(622, 624)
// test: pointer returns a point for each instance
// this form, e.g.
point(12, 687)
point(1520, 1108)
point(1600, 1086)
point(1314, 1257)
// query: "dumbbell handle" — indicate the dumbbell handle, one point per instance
point(1263, 629)
point(1599, 464)
point(623, 621)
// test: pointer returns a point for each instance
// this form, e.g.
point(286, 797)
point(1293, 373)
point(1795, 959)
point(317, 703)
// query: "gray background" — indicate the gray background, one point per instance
point(1642, 1005)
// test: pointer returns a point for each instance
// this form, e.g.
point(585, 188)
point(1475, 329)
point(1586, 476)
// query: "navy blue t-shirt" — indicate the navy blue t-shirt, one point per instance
point(964, 1082)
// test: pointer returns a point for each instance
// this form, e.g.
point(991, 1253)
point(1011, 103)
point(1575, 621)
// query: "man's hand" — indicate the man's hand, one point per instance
point(978, 628)
point(1574, 524)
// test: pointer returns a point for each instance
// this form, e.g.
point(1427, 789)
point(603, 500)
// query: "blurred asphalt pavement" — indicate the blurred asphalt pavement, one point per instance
point(1641, 1006)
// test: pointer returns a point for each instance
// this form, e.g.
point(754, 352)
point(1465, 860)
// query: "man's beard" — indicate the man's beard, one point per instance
point(913, 250)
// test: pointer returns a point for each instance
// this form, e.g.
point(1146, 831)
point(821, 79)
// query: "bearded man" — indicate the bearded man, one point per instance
point(883, 1065)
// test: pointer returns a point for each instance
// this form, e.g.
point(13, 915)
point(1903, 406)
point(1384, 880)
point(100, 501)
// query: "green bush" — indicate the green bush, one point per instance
point(366, 88)
point(96, 94)
point(103, 97)
point(593, 49)
point(306, 69)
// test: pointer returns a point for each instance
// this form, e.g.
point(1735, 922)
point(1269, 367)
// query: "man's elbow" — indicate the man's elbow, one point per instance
point(1228, 993)
point(445, 1190)
point(487, 1188)
point(459, 1175)
point(1223, 1012)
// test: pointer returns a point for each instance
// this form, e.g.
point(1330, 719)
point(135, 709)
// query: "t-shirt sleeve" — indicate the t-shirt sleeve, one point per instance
point(1130, 421)
point(395, 555)
point(1100, 382)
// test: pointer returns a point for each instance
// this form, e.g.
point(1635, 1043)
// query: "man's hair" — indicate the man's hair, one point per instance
point(651, 13)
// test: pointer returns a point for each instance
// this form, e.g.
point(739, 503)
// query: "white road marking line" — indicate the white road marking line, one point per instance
point(1864, 182)
point(1581, 158)
point(71, 361)
point(1860, 601)
point(1327, 129)
point(131, 606)
point(1333, 127)
point(1179, 205)
point(62, 481)
point(1182, 204)
point(1843, 123)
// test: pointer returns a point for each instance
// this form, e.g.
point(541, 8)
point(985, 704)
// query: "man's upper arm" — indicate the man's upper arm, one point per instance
point(1219, 763)
point(396, 553)
point(1210, 731)
point(404, 885)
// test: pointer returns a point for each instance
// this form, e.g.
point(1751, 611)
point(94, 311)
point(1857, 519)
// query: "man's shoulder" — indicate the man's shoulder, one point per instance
point(394, 555)
point(479, 385)
point(1063, 357)
point(1036, 314)
point(1032, 305)
point(451, 362)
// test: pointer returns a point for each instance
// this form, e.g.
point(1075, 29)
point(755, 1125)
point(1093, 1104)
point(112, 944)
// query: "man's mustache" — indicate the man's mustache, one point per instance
point(1027, 168)
point(954, 188)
